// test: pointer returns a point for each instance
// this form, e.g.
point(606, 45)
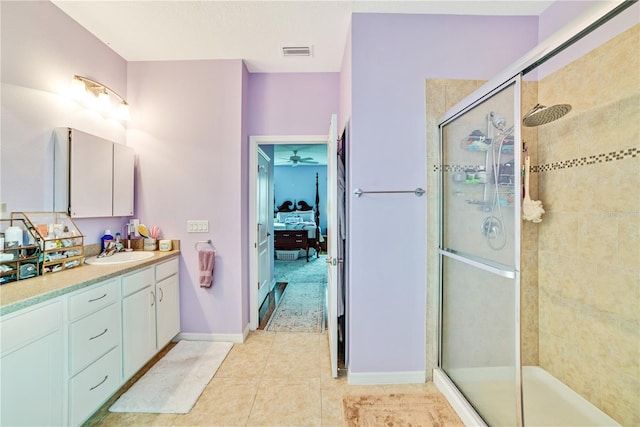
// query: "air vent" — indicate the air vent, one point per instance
point(296, 50)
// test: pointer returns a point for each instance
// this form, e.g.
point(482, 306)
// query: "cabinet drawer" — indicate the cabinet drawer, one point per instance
point(166, 269)
point(93, 336)
point(29, 325)
point(93, 386)
point(136, 281)
point(94, 299)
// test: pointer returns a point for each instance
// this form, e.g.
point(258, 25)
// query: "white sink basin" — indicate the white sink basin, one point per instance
point(119, 258)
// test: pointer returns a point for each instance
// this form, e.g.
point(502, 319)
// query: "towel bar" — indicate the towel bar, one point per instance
point(203, 242)
point(418, 192)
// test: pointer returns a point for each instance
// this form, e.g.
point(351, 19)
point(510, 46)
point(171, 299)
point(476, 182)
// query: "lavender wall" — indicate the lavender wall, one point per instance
point(244, 201)
point(292, 103)
point(391, 56)
point(189, 138)
point(42, 48)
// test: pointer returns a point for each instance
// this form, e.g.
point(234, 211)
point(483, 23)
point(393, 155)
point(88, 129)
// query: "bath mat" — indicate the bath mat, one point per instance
point(301, 309)
point(399, 410)
point(175, 382)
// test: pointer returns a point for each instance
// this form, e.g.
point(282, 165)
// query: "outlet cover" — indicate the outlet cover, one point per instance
point(198, 226)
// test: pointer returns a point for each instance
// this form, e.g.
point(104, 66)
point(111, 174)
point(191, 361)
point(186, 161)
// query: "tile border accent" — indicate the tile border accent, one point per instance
point(585, 161)
point(456, 168)
point(581, 161)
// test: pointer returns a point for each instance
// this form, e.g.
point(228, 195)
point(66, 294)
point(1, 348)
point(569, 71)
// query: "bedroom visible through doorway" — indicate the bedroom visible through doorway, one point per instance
point(298, 222)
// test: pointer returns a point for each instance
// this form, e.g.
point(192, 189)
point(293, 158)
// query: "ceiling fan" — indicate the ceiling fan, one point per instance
point(296, 160)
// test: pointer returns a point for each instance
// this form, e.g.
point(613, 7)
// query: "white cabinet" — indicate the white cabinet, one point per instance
point(138, 320)
point(93, 177)
point(95, 361)
point(167, 302)
point(31, 358)
point(150, 313)
point(62, 359)
point(93, 386)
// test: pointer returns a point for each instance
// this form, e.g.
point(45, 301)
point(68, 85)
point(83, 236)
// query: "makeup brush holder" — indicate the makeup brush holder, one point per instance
point(150, 244)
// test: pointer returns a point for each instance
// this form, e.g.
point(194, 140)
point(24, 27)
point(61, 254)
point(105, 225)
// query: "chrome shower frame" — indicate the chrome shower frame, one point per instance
point(512, 272)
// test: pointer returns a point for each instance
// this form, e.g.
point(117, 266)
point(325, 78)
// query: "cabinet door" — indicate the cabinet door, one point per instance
point(31, 368)
point(90, 175)
point(138, 330)
point(167, 309)
point(123, 166)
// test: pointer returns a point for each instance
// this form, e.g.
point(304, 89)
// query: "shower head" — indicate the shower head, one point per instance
point(497, 120)
point(541, 115)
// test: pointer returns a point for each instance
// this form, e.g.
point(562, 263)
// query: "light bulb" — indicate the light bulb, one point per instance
point(123, 112)
point(78, 89)
point(104, 100)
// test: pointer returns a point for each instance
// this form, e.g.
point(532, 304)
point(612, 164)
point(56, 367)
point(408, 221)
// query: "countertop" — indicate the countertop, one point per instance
point(24, 293)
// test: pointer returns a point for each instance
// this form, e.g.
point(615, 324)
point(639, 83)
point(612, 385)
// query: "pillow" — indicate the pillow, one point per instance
point(306, 216)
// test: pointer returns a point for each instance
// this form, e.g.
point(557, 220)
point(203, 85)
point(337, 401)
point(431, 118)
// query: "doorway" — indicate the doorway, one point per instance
point(300, 208)
point(267, 145)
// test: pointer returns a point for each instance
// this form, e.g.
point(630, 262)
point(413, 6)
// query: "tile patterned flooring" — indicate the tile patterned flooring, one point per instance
point(272, 379)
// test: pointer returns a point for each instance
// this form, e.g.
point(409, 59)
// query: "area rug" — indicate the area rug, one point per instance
point(300, 270)
point(399, 410)
point(175, 382)
point(301, 309)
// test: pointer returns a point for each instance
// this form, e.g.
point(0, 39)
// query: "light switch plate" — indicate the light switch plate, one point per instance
point(197, 226)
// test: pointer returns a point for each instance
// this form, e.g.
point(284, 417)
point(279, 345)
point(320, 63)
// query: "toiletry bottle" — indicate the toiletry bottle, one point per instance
point(106, 239)
point(119, 245)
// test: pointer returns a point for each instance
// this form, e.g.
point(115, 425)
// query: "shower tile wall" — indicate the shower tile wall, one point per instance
point(441, 94)
point(529, 243)
point(589, 239)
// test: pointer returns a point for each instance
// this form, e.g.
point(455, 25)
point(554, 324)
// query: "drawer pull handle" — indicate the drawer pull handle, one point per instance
point(153, 299)
point(161, 294)
point(99, 335)
point(99, 298)
point(98, 385)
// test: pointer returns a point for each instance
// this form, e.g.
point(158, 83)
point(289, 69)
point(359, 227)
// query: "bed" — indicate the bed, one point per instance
point(298, 217)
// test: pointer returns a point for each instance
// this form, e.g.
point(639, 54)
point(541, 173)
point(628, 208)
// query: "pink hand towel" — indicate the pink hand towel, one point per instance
point(206, 261)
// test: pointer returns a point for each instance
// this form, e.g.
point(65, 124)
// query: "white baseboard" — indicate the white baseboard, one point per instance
point(457, 401)
point(371, 378)
point(245, 333)
point(190, 336)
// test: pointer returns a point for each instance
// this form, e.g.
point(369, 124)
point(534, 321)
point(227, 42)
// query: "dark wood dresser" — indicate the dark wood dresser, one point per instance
point(290, 240)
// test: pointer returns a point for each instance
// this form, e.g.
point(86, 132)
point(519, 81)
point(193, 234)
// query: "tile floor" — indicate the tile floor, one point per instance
point(272, 379)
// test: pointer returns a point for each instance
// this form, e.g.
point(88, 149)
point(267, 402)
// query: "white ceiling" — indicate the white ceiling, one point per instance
point(254, 31)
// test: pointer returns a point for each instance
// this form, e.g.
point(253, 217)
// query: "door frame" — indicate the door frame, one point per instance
point(268, 205)
point(254, 142)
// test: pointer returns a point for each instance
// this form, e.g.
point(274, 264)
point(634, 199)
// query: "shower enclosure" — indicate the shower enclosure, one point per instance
point(480, 254)
point(539, 310)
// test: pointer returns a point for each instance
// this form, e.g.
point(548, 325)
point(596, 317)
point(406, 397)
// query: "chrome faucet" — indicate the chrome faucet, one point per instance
point(109, 250)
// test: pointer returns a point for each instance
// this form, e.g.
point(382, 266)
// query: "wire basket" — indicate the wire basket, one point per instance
point(287, 255)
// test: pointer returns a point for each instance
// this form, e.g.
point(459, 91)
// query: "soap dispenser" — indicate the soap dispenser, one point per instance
point(106, 239)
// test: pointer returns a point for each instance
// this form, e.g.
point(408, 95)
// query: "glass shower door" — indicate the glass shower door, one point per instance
point(479, 254)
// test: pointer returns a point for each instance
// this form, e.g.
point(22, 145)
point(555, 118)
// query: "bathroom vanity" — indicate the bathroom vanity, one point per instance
point(71, 340)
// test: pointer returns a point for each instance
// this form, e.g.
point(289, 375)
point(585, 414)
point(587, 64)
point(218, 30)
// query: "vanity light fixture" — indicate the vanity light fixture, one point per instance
point(98, 97)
